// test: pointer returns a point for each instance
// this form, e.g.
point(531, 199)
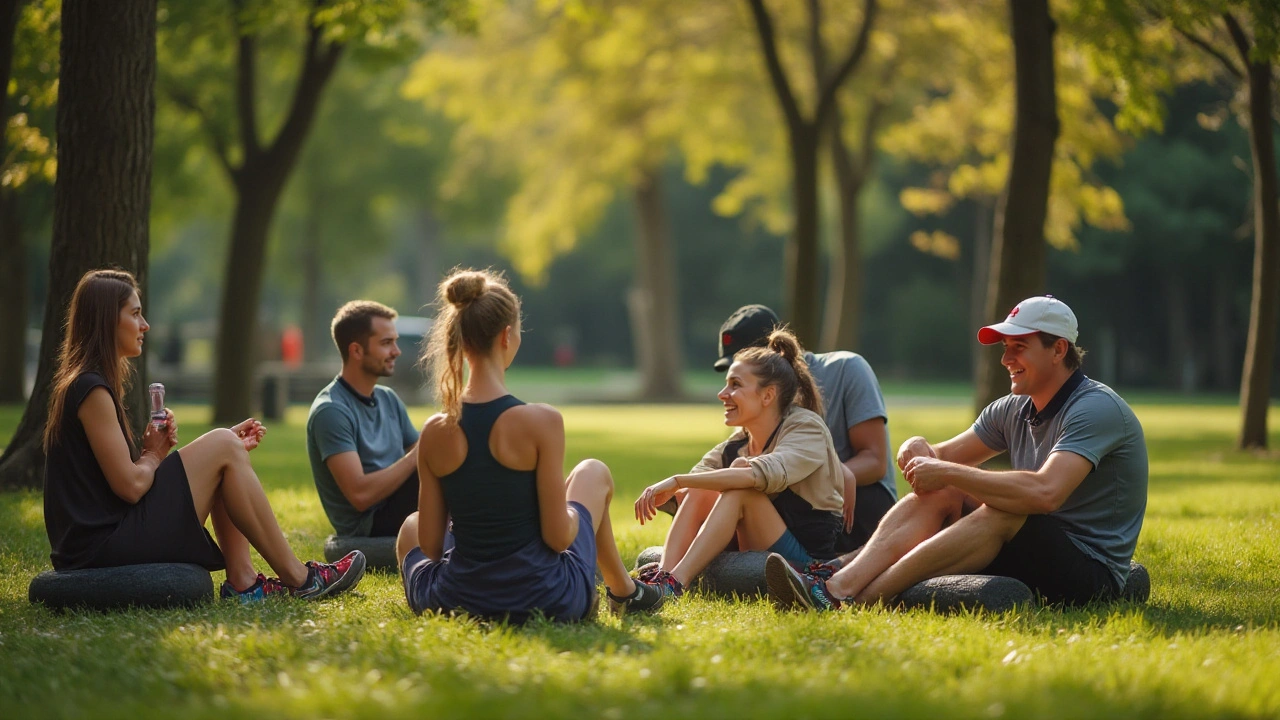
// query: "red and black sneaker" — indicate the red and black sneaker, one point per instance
point(325, 579)
point(263, 588)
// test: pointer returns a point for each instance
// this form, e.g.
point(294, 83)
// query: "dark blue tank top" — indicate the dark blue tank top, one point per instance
point(494, 508)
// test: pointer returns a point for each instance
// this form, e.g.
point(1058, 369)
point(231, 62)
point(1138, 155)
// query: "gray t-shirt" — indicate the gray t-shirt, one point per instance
point(1104, 514)
point(377, 428)
point(851, 394)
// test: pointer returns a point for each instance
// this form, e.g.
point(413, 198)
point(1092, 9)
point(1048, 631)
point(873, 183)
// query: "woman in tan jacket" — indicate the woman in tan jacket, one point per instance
point(776, 483)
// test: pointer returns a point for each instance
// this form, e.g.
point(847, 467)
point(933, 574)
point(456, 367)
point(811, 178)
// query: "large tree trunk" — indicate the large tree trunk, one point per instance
point(655, 324)
point(1255, 385)
point(803, 281)
point(102, 198)
point(13, 260)
point(1018, 248)
point(981, 355)
point(843, 317)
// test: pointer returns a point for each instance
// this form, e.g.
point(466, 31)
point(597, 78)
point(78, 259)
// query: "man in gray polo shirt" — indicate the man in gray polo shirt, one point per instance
point(362, 446)
point(1065, 520)
point(854, 413)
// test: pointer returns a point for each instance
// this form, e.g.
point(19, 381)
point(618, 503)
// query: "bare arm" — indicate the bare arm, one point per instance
point(964, 449)
point(1024, 492)
point(433, 516)
point(559, 523)
point(129, 480)
point(740, 475)
point(363, 489)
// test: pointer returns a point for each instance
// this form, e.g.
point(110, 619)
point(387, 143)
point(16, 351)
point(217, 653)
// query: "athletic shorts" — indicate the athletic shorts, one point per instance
point(1044, 557)
point(873, 502)
point(162, 527)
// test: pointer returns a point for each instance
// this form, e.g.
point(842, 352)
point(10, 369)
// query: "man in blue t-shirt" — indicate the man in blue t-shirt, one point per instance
point(855, 415)
point(1065, 520)
point(362, 446)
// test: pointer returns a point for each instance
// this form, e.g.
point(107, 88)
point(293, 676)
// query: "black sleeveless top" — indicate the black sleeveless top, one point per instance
point(494, 508)
point(80, 509)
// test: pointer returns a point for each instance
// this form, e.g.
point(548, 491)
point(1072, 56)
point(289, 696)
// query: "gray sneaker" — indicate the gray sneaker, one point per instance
point(646, 598)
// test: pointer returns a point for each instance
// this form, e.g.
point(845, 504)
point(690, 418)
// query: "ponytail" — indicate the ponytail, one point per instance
point(474, 306)
point(781, 363)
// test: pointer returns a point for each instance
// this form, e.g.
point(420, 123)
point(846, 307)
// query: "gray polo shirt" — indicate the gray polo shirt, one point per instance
point(850, 395)
point(1104, 514)
point(377, 428)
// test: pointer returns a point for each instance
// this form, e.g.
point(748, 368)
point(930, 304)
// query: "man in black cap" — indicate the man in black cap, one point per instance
point(855, 415)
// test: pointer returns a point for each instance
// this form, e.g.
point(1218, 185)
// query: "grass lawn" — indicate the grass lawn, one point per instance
point(1205, 645)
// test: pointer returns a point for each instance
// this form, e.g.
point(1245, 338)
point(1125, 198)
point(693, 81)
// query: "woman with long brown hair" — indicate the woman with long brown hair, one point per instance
point(500, 532)
point(110, 500)
point(776, 484)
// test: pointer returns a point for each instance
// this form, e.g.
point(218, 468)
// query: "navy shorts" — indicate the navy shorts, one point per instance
point(1044, 557)
point(533, 580)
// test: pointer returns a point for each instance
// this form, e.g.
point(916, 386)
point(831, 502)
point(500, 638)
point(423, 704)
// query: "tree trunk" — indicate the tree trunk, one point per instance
point(13, 297)
point(102, 198)
point(1018, 247)
point(982, 355)
point(842, 321)
point(237, 350)
point(653, 302)
point(1264, 306)
point(13, 265)
point(803, 282)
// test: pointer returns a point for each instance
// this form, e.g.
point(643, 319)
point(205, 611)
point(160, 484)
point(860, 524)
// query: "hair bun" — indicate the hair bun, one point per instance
point(464, 288)
point(785, 344)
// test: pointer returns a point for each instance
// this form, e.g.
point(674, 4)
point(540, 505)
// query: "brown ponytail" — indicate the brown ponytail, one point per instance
point(474, 306)
point(781, 363)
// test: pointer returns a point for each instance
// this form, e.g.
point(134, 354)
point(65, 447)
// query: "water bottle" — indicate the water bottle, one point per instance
point(158, 416)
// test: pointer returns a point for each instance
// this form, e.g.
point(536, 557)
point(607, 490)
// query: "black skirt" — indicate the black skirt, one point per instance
point(162, 527)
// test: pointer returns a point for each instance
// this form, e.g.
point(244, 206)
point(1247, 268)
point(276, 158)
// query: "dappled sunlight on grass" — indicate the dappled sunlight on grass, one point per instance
point(1207, 643)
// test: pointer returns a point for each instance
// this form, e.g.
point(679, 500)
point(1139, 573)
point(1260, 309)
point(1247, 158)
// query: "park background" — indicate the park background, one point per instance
point(887, 175)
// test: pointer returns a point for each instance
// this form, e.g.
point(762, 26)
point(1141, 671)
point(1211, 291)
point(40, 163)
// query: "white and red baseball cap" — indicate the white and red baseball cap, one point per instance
point(1043, 313)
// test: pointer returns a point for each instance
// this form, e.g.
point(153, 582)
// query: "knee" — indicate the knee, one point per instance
point(228, 442)
point(597, 471)
point(409, 528)
point(998, 522)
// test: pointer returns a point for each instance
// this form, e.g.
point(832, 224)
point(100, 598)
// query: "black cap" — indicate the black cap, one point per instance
point(748, 326)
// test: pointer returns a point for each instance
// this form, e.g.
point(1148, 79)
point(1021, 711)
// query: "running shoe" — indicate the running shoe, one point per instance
point(790, 589)
point(262, 588)
point(326, 579)
point(646, 598)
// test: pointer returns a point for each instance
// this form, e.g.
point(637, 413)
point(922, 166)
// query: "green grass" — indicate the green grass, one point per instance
point(1207, 644)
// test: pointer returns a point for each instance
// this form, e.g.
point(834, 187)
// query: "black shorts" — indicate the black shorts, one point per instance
point(873, 502)
point(1042, 556)
point(390, 515)
point(162, 527)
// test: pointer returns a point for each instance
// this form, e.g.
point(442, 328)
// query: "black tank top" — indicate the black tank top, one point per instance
point(494, 508)
point(80, 508)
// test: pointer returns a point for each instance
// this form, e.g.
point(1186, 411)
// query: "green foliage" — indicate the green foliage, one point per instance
point(33, 94)
point(1203, 647)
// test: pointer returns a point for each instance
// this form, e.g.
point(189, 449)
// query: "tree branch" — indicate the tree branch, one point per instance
point(879, 104)
point(1208, 47)
point(1239, 38)
point(246, 60)
point(777, 76)
point(816, 48)
point(845, 69)
point(318, 63)
point(220, 146)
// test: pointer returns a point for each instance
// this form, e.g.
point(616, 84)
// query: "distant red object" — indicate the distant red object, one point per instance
point(291, 346)
point(564, 355)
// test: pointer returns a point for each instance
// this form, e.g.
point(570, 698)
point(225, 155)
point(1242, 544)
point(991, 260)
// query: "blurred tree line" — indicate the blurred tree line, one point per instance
point(642, 168)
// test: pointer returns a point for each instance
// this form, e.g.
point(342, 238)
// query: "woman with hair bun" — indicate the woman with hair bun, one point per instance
point(110, 500)
point(500, 533)
point(775, 484)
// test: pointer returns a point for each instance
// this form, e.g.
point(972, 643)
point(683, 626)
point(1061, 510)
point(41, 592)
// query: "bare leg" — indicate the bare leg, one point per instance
point(749, 513)
point(218, 469)
point(235, 548)
point(407, 539)
point(591, 484)
point(693, 511)
point(966, 546)
point(910, 522)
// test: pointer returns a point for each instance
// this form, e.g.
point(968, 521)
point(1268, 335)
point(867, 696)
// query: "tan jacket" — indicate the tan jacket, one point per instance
point(801, 457)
